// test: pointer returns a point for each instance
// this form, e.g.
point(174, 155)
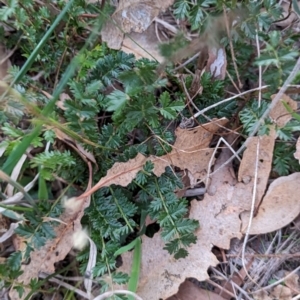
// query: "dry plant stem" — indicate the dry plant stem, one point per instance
point(226, 100)
point(172, 28)
point(280, 255)
point(187, 61)
point(59, 66)
point(262, 265)
point(233, 83)
point(188, 95)
point(213, 155)
point(277, 97)
point(120, 292)
point(220, 287)
point(233, 283)
point(157, 33)
point(10, 52)
point(255, 176)
point(278, 281)
point(251, 211)
point(66, 285)
point(259, 69)
point(231, 48)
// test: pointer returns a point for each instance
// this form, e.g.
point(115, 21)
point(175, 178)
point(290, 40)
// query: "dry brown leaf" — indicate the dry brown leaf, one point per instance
point(137, 15)
point(262, 295)
point(291, 281)
point(297, 153)
point(223, 177)
point(288, 18)
point(279, 113)
point(132, 16)
point(143, 44)
point(265, 157)
point(191, 151)
point(161, 274)
point(280, 206)
point(112, 35)
point(281, 292)
point(189, 291)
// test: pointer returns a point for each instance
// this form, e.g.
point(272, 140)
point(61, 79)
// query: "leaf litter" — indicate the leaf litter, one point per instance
point(185, 157)
point(218, 213)
point(219, 217)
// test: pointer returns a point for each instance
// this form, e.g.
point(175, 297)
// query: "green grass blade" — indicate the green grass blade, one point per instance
point(40, 45)
point(136, 266)
point(20, 150)
point(43, 190)
point(126, 248)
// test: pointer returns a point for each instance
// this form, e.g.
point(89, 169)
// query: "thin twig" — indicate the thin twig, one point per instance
point(251, 210)
point(227, 100)
point(213, 155)
point(232, 81)
point(277, 282)
point(231, 48)
point(188, 95)
point(157, 33)
point(187, 62)
point(259, 69)
point(233, 283)
point(255, 176)
point(258, 255)
point(220, 287)
point(168, 26)
point(66, 285)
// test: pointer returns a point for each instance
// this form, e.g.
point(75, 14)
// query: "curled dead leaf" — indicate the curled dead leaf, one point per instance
point(280, 206)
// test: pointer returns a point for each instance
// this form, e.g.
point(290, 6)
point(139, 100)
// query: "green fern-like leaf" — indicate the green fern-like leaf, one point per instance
point(251, 114)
